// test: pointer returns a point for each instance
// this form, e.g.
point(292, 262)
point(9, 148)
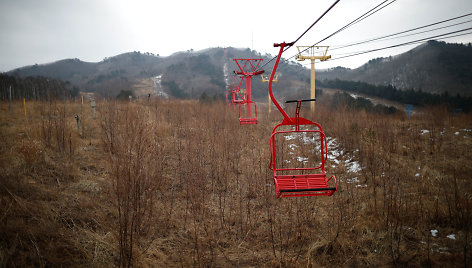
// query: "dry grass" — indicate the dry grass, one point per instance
point(209, 194)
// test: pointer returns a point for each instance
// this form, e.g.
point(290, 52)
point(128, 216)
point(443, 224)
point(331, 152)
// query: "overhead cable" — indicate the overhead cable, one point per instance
point(446, 35)
point(414, 29)
point(311, 26)
point(357, 20)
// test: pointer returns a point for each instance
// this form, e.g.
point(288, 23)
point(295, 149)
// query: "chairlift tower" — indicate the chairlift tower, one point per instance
point(247, 69)
point(266, 78)
point(312, 53)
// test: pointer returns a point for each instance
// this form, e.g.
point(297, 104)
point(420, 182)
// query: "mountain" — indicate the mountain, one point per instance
point(434, 67)
point(186, 74)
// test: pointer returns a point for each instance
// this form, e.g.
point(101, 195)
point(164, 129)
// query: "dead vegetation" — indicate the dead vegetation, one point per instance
point(181, 183)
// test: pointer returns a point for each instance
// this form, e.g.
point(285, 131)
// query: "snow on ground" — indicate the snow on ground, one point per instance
point(353, 95)
point(451, 236)
point(333, 152)
point(353, 166)
point(289, 137)
point(336, 155)
point(424, 131)
point(304, 160)
point(293, 146)
point(434, 233)
point(353, 180)
point(226, 74)
point(157, 85)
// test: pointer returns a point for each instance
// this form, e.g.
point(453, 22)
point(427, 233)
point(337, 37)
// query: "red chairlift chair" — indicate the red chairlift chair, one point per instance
point(235, 92)
point(302, 181)
point(246, 118)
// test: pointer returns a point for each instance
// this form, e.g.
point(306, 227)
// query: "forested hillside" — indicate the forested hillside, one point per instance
point(35, 88)
point(434, 67)
point(391, 93)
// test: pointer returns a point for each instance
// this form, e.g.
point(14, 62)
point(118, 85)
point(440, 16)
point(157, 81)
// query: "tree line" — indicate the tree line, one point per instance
point(35, 88)
point(409, 96)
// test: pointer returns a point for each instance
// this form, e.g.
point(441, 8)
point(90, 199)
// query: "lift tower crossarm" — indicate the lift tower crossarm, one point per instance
point(308, 53)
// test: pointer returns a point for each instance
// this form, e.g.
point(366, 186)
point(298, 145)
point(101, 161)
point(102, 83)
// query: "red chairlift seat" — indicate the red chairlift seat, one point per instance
point(315, 183)
point(245, 120)
point(235, 92)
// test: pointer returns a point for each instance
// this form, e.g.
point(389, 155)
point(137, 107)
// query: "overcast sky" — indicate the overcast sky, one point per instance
point(43, 31)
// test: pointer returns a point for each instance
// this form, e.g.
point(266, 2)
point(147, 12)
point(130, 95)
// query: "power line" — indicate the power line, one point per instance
point(322, 15)
point(357, 20)
point(444, 36)
point(311, 26)
point(406, 31)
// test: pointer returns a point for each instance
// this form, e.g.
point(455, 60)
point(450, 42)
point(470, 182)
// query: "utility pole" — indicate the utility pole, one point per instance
point(312, 53)
point(266, 78)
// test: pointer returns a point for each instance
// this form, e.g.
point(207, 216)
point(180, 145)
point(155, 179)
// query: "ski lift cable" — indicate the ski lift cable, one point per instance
point(410, 30)
point(408, 43)
point(311, 26)
point(420, 41)
point(357, 20)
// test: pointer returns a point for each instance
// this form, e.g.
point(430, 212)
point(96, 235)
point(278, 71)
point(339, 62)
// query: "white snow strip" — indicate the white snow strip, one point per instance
point(293, 146)
point(451, 236)
point(302, 159)
point(331, 142)
point(424, 131)
point(355, 179)
point(158, 87)
point(354, 167)
point(308, 140)
point(434, 233)
point(289, 137)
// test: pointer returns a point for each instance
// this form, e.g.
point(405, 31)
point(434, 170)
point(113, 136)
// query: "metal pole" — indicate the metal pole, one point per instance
point(268, 95)
point(34, 98)
point(248, 96)
point(10, 98)
point(312, 85)
point(24, 106)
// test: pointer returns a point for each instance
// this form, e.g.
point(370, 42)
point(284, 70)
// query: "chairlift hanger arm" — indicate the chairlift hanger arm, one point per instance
point(271, 79)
